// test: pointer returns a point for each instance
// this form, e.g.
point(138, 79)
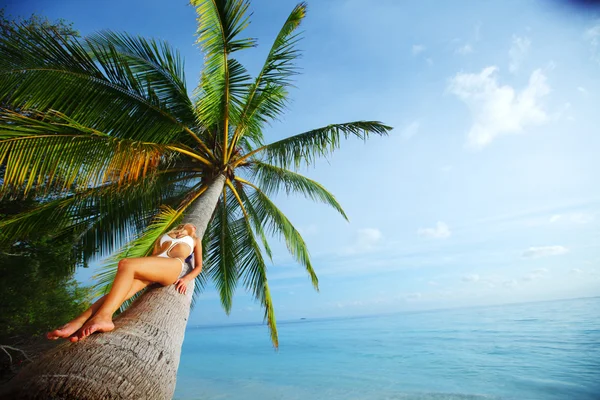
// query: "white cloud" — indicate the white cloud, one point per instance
point(575, 218)
point(593, 36)
point(576, 271)
point(433, 283)
point(496, 109)
point(417, 49)
point(369, 236)
point(309, 230)
point(470, 278)
point(429, 61)
point(536, 274)
point(366, 240)
point(441, 231)
point(518, 51)
point(544, 251)
point(464, 50)
point(410, 130)
point(581, 89)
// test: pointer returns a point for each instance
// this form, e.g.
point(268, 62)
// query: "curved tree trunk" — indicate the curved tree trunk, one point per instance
point(138, 360)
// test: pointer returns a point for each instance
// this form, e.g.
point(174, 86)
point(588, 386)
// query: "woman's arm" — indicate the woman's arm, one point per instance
point(181, 284)
point(156, 247)
point(197, 260)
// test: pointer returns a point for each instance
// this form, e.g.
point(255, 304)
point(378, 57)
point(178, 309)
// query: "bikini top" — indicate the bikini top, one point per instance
point(175, 241)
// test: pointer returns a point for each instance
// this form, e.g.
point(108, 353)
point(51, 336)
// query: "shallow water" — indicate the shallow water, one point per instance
point(548, 350)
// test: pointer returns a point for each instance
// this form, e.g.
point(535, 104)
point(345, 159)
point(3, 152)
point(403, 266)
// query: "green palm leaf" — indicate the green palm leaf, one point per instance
point(256, 219)
point(254, 271)
point(59, 153)
point(224, 81)
point(222, 250)
point(266, 106)
point(43, 71)
point(307, 147)
point(280, 225)
point(267, 96)
point(156, 70)
point(105, 218)
point(271, 179)
point(250, 263)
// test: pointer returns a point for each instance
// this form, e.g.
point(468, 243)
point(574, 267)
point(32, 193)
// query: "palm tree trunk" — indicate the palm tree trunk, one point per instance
point(138, 360)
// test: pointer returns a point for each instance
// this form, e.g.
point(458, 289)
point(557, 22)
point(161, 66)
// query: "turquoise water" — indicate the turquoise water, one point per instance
point(548, 350)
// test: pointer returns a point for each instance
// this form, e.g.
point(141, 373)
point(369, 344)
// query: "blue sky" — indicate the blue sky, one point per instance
point(486, 192)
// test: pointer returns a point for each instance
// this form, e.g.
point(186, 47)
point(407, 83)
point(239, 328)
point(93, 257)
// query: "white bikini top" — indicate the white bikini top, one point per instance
point(175, 241)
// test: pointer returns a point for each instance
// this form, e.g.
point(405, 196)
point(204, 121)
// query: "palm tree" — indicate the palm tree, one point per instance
point(103, 129)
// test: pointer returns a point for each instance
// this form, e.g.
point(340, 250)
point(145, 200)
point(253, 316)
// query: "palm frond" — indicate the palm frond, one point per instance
point(91, 83)
point(222, 252)
point(254, 271)
point(267, 96)
point(279, 66)
point(270, 179)
point(224, 80)
point(157, 69)
point(237, 196)
point(307, 147)
point(220, 22)
point(248, 262)
point(280, 225)
point(266, 106)
point(219, 98)
point(256, 219)
point(105, 218)
point(28, 122)
point(57, 153)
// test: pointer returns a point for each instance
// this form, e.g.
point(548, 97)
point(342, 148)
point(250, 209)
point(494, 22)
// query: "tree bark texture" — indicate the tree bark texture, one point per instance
point(137, 360)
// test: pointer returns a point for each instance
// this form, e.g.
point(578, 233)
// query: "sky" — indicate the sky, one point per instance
point(486, 192)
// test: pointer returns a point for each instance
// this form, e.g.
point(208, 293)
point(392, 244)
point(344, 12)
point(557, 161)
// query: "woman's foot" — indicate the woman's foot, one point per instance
point(97, 323)
point(67, 329)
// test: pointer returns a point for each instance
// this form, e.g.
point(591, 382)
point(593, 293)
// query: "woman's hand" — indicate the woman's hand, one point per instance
point(181, 285)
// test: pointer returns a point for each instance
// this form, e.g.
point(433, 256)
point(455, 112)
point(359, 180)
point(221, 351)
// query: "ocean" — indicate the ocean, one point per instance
point(538, 351)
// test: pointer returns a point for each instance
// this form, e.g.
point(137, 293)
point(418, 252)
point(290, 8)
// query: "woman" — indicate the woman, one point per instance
point(165, 267)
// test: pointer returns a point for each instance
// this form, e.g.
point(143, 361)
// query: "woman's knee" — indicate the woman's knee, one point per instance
point(125, 264)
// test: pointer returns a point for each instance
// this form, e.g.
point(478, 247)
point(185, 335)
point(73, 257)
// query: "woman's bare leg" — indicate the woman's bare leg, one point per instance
point(164, 271)
point(137, 286)
point(72, 326)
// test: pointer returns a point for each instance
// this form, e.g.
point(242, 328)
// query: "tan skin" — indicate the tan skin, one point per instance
point(133, 275)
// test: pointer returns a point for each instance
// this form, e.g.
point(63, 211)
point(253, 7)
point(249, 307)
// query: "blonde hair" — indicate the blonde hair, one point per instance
point(179, 229)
